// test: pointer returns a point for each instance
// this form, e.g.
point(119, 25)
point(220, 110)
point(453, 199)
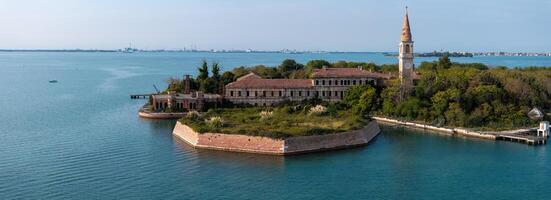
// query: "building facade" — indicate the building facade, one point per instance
point(182, 102)
point(328, 84)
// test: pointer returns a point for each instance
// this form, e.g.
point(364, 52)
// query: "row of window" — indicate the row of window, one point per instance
point(342, 82)
point(292, 93)
point(270, 93)
point(163, 105)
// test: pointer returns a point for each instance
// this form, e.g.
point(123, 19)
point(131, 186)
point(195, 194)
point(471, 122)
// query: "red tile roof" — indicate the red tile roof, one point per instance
point(347, 72)
point(254, 81)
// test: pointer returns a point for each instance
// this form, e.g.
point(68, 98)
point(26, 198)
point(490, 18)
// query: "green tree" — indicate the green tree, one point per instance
point(216, 71)
point(367, 102)
point(353, 94)
point(203, 71)
point(227, 77)
point(361, 98)
point(455, 115)
point(315, 64)
point(208, 85)
point(410, 108)
point(341, 64)
point(288, 66)
point(240, 71)
point(444, 62)
point(441, 100)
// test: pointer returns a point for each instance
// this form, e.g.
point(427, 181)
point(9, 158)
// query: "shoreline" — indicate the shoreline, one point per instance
point(512, 135)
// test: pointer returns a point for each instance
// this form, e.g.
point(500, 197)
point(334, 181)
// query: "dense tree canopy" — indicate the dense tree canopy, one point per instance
point(471, 95)
point(448, 93)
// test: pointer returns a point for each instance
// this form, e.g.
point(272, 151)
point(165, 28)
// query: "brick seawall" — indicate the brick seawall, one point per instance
point(264, 145)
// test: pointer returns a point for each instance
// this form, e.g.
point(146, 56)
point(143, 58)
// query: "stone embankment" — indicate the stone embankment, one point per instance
point(519, 136)
point(287, 146)
point(159, 115)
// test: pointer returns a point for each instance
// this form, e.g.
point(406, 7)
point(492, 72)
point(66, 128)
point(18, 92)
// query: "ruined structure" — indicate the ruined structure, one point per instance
point(328, 84)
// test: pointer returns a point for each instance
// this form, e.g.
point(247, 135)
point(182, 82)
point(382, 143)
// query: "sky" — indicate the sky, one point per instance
point(329, 25)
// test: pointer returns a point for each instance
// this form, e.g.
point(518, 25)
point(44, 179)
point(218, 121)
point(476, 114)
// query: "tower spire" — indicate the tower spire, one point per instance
point(405, 58)
point(406, 31)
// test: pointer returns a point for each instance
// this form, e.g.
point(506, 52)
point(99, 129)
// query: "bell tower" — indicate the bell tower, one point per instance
point(405, 56)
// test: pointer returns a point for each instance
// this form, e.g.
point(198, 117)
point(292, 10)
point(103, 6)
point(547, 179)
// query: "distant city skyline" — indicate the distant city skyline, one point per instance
point(322, 25)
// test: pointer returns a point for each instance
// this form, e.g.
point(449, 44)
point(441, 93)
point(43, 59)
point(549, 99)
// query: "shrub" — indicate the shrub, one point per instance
point(193, 115)
point(215, 122)
point(264, 115)
point(318, 110)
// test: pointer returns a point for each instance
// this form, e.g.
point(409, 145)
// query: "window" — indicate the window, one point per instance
point(317, 82)
point(342, 82)
point(272, 93)
point(231, 93)
point(336, 82)
point(328, 93)
point(307, 93)
point(292, 93)
point(299, 93)
point(238, 93)
point(323, 82)
point(263, 93)
point(329, 82)
point(354, 82)
point(323, 93)
point(255, 93)
point(247, 93)
point(280, 93)
point(336, 93)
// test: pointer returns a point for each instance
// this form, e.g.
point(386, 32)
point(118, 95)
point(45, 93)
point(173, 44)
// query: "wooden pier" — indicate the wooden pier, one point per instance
point(524, 139)
point(140, 96)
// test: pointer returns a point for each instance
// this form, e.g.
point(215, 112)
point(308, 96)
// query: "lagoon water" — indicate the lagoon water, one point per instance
point(81, 138)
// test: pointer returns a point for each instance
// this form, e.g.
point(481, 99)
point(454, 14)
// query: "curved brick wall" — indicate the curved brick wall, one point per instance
point(264, 145)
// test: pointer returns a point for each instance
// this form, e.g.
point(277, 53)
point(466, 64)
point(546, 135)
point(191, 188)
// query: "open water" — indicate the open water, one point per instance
point(81, 138)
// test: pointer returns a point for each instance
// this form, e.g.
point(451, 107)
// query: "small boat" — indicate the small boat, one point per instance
point(53, 81)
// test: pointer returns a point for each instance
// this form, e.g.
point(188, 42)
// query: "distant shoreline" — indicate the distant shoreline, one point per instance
point(386, 53)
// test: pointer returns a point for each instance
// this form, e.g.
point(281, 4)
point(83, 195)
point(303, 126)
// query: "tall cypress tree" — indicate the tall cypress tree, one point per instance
point(203, 71)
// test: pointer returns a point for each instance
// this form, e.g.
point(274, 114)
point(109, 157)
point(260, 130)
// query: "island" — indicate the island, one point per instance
point(270, 107)
point(295, 108)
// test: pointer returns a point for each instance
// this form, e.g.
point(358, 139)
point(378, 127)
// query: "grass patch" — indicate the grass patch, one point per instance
point(278, 122)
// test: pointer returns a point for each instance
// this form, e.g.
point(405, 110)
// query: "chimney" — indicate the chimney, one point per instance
point(186, 84)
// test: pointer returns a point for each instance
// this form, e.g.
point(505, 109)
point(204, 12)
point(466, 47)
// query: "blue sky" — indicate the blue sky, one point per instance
point(345, 25)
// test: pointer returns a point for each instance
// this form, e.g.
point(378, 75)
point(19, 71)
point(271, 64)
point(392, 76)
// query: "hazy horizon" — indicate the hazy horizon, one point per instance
point(326, 25)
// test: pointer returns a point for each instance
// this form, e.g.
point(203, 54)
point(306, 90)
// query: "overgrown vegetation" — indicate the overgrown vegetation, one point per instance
point(291, 69)
point(307, 118)
point(447, 94)
point(470, 95)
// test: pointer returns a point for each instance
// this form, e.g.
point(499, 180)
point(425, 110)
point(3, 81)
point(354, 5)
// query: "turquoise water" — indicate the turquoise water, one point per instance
point(81, 139)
